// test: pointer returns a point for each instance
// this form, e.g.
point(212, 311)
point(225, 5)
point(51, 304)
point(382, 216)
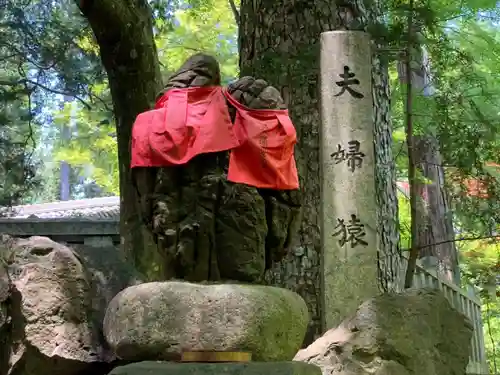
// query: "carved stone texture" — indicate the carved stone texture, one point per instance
point(161, 320)
point(206, 227)
point(198, 70)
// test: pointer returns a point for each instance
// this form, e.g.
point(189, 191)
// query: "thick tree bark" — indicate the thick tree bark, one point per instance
point(435, 224)
point(434, 221)
point(124, 32)
point(279, 42)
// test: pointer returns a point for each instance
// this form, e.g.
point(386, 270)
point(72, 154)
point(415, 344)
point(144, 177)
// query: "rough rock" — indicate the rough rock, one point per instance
point(5, 290)
point(252, 368)
point(157, 321)
point(198, 70)
point(415, 332)
point(57, 306)
point(207, 228)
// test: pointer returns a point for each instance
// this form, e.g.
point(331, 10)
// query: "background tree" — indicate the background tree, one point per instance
point(461, 117)
point(41, 61)
point(194, 31)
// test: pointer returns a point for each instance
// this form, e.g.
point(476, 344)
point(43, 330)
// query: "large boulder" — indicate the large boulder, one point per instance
point(415, 332)
point(5, 290)
point(157, 321)
point(56, 305)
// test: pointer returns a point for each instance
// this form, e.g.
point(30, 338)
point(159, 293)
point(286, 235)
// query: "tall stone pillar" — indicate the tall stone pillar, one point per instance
point(348, 217)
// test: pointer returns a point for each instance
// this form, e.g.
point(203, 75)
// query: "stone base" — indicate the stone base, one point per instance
point(252, 368)
point(159, 321)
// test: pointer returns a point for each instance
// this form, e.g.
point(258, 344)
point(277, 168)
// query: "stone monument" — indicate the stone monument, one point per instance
point(348, 217)
point(216, 231)
point(206, 227)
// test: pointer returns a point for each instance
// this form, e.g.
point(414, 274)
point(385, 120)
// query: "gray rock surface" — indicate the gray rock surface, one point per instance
point(5, 290)
point(412, 333)
point(157, 321)
point(56, 306)
point(252, 368)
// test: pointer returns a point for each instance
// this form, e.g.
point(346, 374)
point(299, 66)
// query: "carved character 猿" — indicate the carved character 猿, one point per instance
point(348, 80)
point(351, 233)
point(353, 155)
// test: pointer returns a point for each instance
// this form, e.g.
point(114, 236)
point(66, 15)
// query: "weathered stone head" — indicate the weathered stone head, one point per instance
point(206, 227)
point(198, 70)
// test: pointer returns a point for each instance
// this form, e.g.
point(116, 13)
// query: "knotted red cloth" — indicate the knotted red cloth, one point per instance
point(192, 121)
point(265, 156)
point(185, 123)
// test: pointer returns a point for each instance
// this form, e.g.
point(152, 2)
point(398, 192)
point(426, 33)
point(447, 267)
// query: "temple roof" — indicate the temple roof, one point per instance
point(106, 208)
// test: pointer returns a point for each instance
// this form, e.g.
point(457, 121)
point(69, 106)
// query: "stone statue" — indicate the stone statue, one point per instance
point(206, 227)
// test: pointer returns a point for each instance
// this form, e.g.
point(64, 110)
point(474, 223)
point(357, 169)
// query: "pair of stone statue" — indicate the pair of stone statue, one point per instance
point(206, 227)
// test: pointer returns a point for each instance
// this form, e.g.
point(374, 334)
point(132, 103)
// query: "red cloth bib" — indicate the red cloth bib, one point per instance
point(265, 156)
point(185, 123)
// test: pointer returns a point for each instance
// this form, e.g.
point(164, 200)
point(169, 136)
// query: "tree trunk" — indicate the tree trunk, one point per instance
point(434, 220)
point(124, 32)
point(435, 225)
point(279, 42)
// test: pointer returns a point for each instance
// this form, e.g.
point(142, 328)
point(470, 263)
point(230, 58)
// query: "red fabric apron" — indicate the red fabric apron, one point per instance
point(185, 123)
point(265, 157)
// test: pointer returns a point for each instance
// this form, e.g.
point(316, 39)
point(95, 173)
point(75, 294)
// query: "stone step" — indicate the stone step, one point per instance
point(251, 368)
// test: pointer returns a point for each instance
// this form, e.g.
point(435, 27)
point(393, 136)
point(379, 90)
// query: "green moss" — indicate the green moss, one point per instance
point(287, 327)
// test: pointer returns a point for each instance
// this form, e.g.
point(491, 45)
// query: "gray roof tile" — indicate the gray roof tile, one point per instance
point(107, 208)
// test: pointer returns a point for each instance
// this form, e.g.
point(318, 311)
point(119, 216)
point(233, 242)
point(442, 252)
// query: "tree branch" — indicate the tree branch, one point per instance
point(109, 18)
point(124, 33)
point(412, 259)
point(454, 240)
point(11, 83)
point(236, 13)
point(54, 91)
